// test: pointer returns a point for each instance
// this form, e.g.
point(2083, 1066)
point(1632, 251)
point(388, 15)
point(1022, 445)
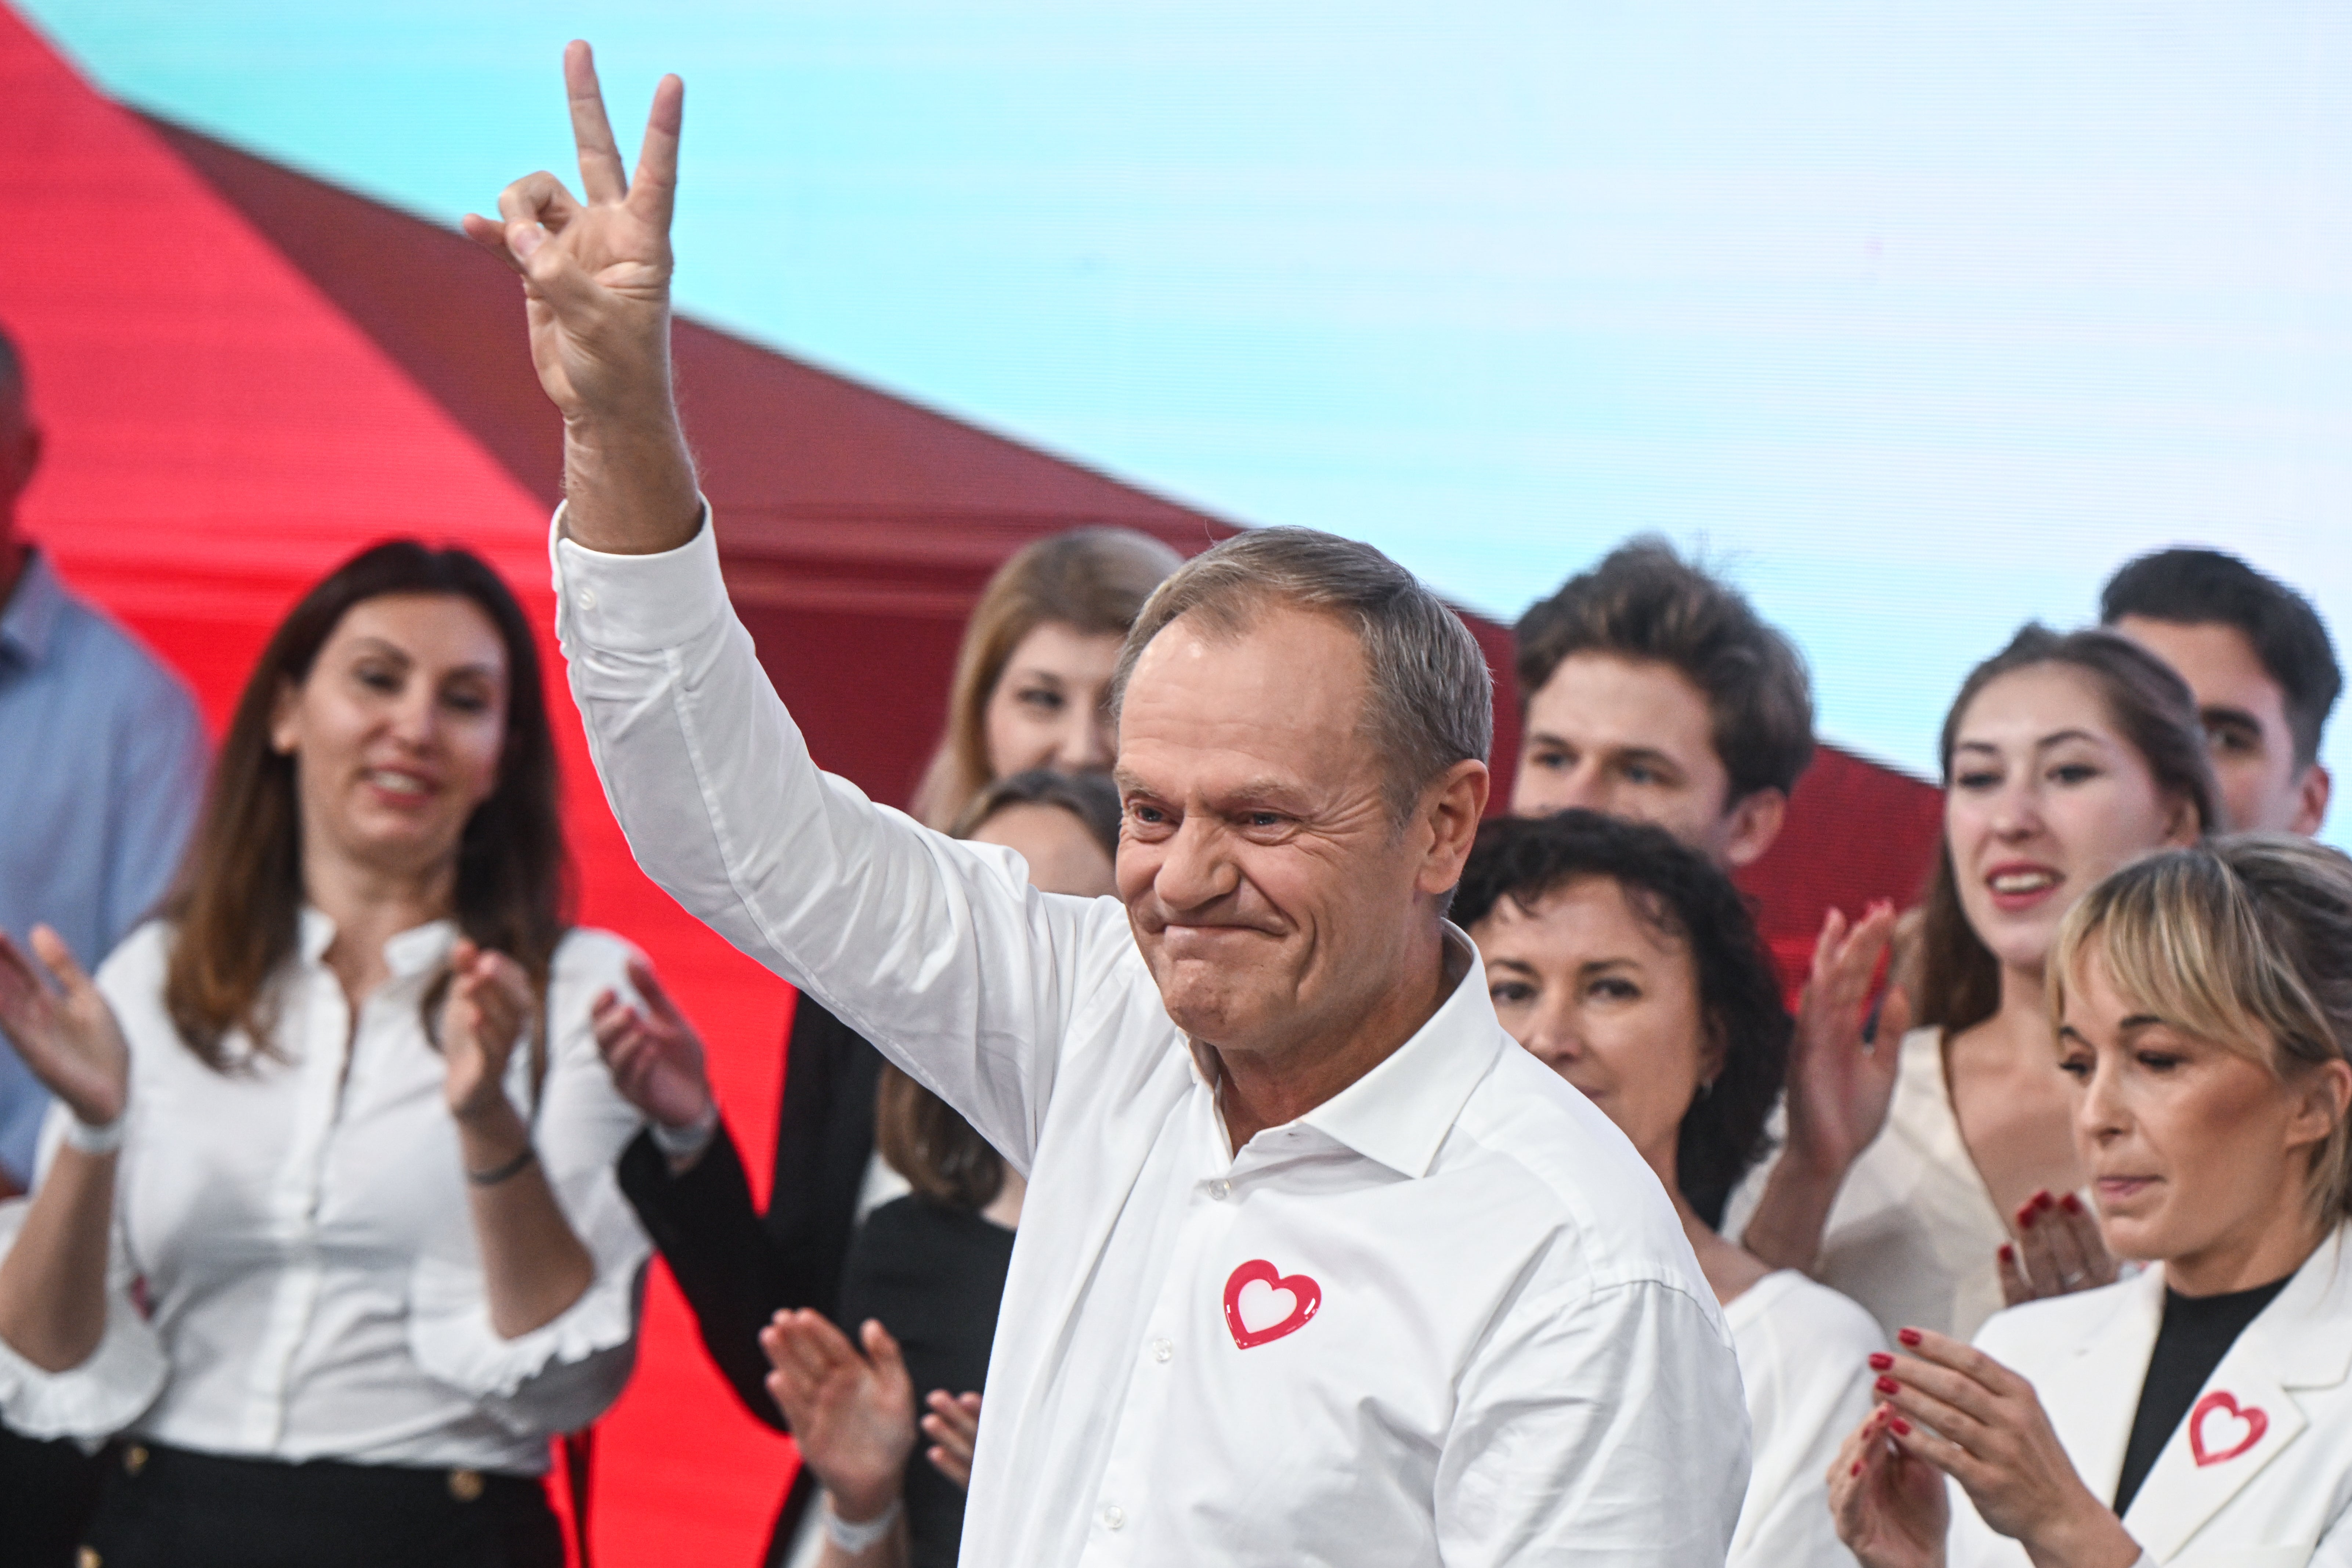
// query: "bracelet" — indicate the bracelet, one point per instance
point(99, 1138)
point(855, 1539)
point(684, 1143)
point(512, 1168)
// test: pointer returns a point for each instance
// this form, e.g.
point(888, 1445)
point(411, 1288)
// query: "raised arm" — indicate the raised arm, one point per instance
point(939, 953)
point(595, 276)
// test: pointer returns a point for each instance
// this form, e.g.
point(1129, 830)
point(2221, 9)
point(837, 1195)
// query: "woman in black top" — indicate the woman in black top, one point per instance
point(2200, 1413)
point(927, 1271)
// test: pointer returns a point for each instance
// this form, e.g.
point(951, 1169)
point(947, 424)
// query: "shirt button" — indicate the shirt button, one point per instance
point(585, 598)
point(1161, 1350)
point(1219, 1189)
point(1113, 1516)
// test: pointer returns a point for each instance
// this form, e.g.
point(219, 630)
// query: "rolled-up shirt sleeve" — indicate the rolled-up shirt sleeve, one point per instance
point(939, 953)
point(1596, 1426)
point(115, 1383)
point(565, 1374)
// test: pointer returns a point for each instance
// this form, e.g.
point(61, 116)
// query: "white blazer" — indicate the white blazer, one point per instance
point(2260, 1474)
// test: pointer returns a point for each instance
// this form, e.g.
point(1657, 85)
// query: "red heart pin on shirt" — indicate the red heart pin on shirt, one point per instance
point(1254, 1294)
point(2252, 1422)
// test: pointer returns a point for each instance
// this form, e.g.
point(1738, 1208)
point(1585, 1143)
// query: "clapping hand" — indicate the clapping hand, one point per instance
point(2059, 1250)
point(1839, 1083)
point(68, 1036)
point(653, 1053)
point(952, 1424)
point(1948, 1407)
point(853, 1415)
point(483, 1017)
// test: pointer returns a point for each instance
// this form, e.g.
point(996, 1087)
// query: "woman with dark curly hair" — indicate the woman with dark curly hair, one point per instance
point(1629, 964)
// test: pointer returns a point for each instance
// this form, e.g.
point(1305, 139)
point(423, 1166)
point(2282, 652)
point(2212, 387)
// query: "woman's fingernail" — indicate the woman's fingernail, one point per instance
point(2042, 1200)
point(1888, 1386)
point(2025, 1217)
point(1857, 1468)
point(2008, 1253)
point(2071, 1204)
point(1881, 1361)
point(1908, 1336)
point(1902, 1428)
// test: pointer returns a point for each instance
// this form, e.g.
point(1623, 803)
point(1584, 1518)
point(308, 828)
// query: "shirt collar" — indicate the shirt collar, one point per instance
point(1400, 1112)
point(411, 951)
point(29, 619)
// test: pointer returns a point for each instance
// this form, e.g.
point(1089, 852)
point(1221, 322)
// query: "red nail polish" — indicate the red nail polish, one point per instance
point(1888, 1386)
point(1857, 1468)
point(1908, 1336)
point(1881, 1361)
point(2025, 1217)
point(2071, 1204)
point(2008, 1253)
point(2042, 1200)
point(1902, 1428)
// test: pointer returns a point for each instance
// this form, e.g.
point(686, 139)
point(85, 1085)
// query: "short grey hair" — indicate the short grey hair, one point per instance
point(1432, 696)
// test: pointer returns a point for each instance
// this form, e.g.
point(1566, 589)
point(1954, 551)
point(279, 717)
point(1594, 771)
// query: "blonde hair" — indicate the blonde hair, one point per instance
point(1093, 580)
point(2245, 942)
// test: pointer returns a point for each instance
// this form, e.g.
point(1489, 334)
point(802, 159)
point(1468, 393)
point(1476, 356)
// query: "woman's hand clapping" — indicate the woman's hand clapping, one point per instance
point(1839, 1083)
point(2059, 1250)
point(483, 1018)
point(853, 1415)
point(68, 1036)
point(654, 1056)
point(952, 1425)
point(1949, 1407)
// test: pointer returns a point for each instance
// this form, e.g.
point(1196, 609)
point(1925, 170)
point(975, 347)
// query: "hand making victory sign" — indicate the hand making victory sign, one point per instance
point(596, 275)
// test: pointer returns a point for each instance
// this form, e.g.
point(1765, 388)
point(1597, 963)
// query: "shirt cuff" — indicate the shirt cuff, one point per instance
point(454, 1342)
point(637, 603)
point(107, 1392)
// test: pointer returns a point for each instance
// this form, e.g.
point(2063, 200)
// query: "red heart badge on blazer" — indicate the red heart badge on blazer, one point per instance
point(2250, 1423)
point(1253, 1294)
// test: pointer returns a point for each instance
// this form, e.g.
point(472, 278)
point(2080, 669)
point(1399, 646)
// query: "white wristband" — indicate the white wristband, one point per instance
point(856, 1538)
point(684, 1143)
point(101, 1139)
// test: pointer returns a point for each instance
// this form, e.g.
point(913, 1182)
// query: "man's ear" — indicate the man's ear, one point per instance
point(2311, 807)
point(1450, 808)
point(1749, 826)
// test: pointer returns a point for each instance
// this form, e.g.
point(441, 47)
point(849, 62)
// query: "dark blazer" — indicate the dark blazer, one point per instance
point(737, 1266)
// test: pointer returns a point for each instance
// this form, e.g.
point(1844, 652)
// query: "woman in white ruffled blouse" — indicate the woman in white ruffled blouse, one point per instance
point(327, 1227)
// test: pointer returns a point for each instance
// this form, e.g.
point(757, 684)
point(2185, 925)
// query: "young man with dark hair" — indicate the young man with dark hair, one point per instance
point(2258, 658)
point(1654, 691)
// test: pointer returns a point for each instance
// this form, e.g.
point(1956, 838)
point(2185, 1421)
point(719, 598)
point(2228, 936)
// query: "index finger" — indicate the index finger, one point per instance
point(1957, 1355)
point(602, 178)
point(653, 195)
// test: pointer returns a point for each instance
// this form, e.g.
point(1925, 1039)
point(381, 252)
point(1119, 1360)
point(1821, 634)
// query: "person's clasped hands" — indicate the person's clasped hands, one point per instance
point(1947, 1409)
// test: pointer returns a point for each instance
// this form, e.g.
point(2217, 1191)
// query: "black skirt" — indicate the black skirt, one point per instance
point(168, 1508)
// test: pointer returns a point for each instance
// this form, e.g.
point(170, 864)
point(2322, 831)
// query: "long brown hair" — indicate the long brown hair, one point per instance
point(1093, 580)
point(237, 904)
point(1959, 979)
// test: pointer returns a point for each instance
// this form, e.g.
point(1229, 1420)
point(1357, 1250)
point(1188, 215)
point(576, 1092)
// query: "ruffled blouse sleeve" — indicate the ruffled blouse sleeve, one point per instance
point(565, 1374)
point(118, 1380)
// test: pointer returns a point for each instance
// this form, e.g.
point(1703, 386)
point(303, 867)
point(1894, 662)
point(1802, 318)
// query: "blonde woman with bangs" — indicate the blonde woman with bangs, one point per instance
point(2199, 1414)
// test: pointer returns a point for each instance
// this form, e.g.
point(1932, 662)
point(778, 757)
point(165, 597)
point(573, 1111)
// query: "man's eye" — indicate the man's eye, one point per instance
point(1553, 759)
point(1264, 819)
point(2236, 743)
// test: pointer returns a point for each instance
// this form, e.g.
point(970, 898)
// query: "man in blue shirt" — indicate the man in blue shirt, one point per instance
point(102, 770)
point(103, 754)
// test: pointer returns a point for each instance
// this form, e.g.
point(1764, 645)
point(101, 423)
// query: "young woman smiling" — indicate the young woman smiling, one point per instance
point(2199, 1412)
point(2065, 757)
point(1628, 963)
point(336, 1124)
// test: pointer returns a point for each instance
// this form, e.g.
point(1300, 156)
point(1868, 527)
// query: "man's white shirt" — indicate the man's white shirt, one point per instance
point(1448, 1316)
